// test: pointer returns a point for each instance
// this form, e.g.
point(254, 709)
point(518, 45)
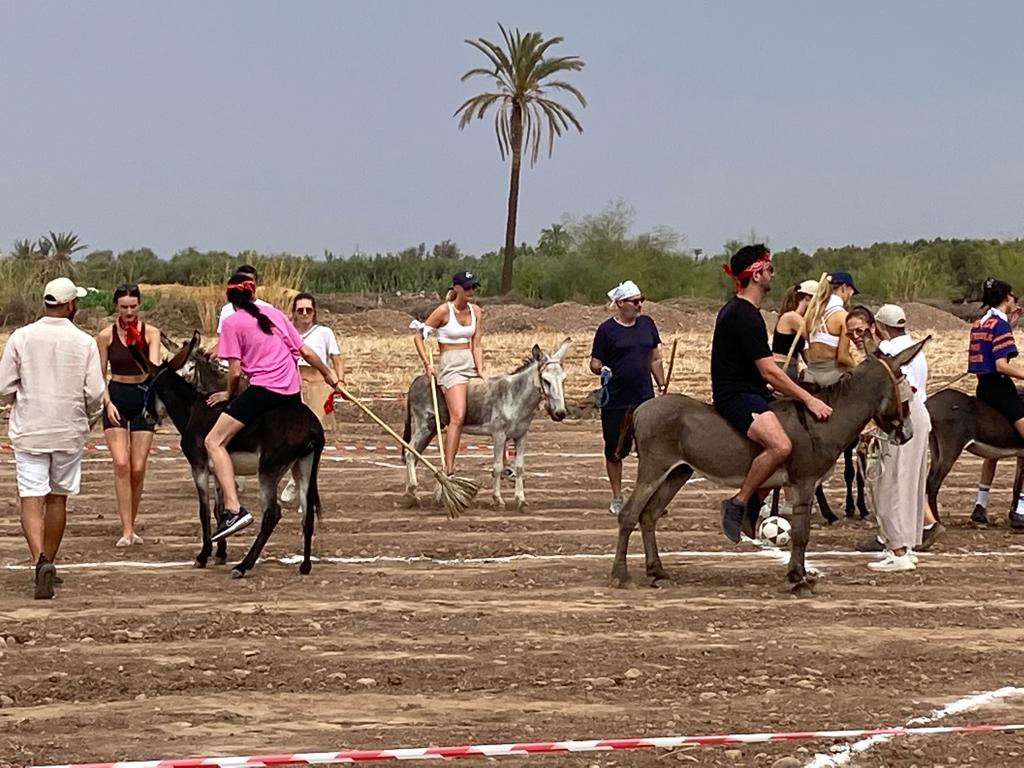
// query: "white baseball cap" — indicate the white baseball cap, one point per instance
point(809, 287)
point(60, 291)
point(891, 315)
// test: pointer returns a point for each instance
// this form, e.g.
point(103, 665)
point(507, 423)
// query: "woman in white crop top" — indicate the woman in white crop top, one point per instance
point(828, 346)
point(458, 326)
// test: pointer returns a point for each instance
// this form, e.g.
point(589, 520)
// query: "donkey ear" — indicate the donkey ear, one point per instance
point(141, 360)
point(559, 353)
point(537, 354)
point(909, 354)
point(870, 345)
point(182, 355)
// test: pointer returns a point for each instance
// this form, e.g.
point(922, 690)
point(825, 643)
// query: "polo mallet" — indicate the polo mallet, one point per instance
point(456, 492)
point(671, 365)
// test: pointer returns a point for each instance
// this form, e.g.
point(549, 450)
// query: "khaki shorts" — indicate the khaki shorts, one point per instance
point(456, 367)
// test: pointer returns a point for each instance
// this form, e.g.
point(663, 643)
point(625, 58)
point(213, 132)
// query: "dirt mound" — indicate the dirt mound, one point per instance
point(371, 321)
point(921, 317)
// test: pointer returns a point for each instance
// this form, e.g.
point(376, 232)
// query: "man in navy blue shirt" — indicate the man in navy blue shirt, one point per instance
point(742, 369)
point(625, 355)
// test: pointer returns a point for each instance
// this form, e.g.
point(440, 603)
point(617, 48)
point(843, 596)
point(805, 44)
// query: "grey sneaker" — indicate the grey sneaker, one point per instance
point(618, 502)
point(930, 536)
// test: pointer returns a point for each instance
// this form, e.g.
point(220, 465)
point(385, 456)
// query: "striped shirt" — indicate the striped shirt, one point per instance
point(991, 339)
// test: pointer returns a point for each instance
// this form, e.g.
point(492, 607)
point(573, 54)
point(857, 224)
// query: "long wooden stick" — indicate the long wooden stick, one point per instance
point(352, 398)
point(437, 410)
point(671, 365)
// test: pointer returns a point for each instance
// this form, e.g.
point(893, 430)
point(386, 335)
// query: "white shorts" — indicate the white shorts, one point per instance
point(40, 474)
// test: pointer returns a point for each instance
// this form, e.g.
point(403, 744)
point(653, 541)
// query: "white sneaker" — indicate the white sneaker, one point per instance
point(616, 506)
point(891, 563)
point(288, 494)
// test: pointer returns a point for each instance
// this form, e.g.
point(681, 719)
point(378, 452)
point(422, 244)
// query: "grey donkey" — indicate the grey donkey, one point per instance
point(677, 435)
point(502, 407)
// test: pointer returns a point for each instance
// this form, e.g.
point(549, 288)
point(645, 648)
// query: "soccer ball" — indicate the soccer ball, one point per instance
point(774, 531)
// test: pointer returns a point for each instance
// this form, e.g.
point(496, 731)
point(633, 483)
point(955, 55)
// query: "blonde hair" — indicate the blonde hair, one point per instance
point(450, 296)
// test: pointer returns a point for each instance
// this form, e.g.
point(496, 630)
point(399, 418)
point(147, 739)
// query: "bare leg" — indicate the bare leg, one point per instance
point(614, 469)
point(119, 445)
point(33, 524)
point(767, 431)
point(216, 447)
point(141, 442)
point(54, 521)
point(456, 398)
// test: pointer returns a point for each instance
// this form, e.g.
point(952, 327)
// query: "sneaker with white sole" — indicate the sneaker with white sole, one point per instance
point(892, 563)
point(618, 502)
point(232, 522)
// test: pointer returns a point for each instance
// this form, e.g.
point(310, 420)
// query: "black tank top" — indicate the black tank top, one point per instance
point(781, 342)
point(121, 361)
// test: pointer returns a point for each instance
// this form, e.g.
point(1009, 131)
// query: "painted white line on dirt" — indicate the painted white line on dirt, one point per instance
point(767, 553)
point(841, 755)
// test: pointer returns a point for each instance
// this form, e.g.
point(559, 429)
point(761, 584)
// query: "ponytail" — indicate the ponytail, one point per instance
point(240, 291)
point(450, 296)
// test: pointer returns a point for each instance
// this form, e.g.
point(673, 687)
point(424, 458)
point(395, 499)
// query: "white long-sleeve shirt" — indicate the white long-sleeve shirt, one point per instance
point(50, 370)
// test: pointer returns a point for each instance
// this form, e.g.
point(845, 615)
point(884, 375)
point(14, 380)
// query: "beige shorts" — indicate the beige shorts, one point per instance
point(315, 392)
point(455, 367)
point(824, 373)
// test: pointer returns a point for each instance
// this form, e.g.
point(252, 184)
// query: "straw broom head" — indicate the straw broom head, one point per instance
point(457, 493)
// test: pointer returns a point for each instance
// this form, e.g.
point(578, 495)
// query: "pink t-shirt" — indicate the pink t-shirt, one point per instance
point(268, 360)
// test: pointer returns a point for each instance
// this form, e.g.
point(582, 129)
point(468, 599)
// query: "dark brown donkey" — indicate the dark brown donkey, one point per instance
point(672, 437)
point(288, 437)
point(961, 422)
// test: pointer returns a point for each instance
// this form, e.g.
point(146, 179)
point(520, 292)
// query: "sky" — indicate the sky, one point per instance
point(299, 126)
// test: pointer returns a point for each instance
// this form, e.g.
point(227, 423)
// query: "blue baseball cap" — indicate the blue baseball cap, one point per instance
point(842, 278)
point(465, 280)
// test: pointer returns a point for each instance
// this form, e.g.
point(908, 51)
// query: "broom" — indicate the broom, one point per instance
point(437, 411)
point(456, 492)
point(671, 365)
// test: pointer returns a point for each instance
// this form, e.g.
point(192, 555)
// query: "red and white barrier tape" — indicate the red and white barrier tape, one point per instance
point(523, 750)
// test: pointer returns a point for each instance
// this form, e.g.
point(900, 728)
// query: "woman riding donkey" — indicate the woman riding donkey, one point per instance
point(260, 342)
point(991, 350)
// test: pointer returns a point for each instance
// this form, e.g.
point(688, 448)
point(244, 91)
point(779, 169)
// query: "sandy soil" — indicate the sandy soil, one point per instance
point(134, 662)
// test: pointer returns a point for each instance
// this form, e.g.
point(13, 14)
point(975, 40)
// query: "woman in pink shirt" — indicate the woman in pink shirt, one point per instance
point(261, 342)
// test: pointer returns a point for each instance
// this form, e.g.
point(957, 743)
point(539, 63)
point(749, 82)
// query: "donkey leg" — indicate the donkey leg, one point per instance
point(420, 438)
point(271, 516)
point(305, 484)
point(801, 532)
point(849, 472)
point(942, 461)
point(824, 506)
point(201, 478)
point(499, 439)
point(221, 557)
point(653, 512)
point(520, 463)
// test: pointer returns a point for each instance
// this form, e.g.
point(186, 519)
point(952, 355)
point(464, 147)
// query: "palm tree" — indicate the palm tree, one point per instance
point(522, 75)
point(554, 240)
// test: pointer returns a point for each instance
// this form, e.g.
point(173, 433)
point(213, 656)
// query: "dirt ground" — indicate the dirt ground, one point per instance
point(144, 662)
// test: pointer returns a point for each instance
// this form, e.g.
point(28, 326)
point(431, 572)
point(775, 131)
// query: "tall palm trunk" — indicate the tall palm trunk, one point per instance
point(513, 198)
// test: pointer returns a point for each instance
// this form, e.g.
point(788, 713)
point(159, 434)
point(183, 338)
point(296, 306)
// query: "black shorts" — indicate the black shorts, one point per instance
point(740, 410)
point(611, 428)
point(256, 401)
point(130, 401)
point(999, 391)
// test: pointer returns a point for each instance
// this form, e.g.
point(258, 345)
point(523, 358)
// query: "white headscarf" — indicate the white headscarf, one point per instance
point(625, 290)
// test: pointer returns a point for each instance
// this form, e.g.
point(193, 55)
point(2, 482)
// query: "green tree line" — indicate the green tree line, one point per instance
point(579, 259)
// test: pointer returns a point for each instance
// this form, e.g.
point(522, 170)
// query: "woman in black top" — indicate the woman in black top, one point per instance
point(790, 326)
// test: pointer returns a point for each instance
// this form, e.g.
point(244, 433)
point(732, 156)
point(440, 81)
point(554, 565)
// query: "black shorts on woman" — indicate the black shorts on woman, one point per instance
point(255, 401)
point(130, 401)
point(998, 391)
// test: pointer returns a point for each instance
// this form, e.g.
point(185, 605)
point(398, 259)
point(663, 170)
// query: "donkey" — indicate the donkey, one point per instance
point(676, 435)
point(502, 407)
point(961, 422)
point(289, 437)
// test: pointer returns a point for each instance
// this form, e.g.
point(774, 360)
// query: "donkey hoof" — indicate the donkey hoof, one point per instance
point(237, 573)
point(410, 501)
point(803, 590)
point(220, 560)
point(499, 503)
point(621, 581)
point(200, 562)
point(305, 567)
point(521, 505)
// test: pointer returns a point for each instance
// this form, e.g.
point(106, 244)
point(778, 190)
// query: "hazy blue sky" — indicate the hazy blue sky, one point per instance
point(303, 125)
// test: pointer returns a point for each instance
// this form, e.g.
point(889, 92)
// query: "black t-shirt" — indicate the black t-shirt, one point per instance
point(627, 351)
point(740, 339)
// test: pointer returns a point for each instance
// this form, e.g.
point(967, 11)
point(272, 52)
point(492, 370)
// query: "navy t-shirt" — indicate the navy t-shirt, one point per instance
point(741, 338)
point(627, 351)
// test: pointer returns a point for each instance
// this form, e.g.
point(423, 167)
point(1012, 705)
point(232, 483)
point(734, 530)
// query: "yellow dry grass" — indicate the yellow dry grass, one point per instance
point(387, 364)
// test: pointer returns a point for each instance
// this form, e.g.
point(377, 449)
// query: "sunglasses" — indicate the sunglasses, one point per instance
point(305, 310)
point(634, 302)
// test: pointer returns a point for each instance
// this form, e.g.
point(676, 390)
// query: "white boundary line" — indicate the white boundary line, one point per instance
point(841, 755)
point(768, 553)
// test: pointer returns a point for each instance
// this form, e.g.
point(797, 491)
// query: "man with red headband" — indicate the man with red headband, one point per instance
point(742, 369)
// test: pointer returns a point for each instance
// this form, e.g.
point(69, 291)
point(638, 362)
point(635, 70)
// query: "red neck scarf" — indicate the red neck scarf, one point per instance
point(132, 333)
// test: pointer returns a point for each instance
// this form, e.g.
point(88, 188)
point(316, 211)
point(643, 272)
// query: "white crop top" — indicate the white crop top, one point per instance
point(821, 335)
point(454, 332)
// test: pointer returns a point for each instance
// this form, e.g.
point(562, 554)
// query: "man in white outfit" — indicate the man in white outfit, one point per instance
point(50, 371)
point(900, 489)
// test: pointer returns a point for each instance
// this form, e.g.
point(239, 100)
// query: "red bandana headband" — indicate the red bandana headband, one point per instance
point(753, 269)
point(244, 285)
